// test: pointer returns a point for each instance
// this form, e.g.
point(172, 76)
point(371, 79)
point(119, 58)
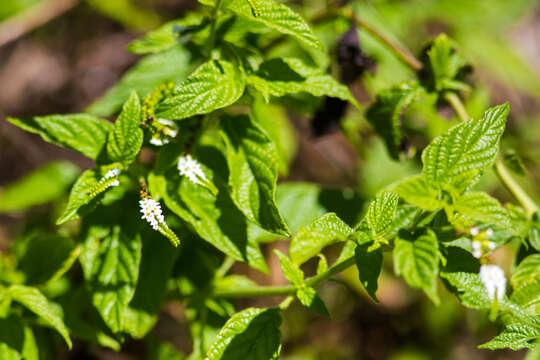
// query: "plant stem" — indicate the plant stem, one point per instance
point(212, 38)
point(225, 267)
point(457, 105)
point(283, 290)
point(403, 54)
point(511, 184)
point(500, 169)
point(33, 17)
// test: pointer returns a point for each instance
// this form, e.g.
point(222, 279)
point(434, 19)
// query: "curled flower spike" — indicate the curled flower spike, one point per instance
point(481, 245)
point(151, 212)
point(110, 179)
point(494, 280)
point(191, 168)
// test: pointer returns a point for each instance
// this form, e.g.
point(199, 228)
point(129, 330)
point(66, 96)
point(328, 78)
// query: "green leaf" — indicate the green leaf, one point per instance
point(253, 162)
point(215, 218)
point(417, 260)
point(369, 264)
point(157, 262)
point(381, 212)
point(387, 112)
point(150, 72)
point(86, 189)
point(514, 162)
point(468, 288)
point(465, 151)
point(514, 336)
point(444, 65)
point(417, 190)
point(52, 180)
point(281, 76)
point(276, 16)
point(110, 259)
point(311, 239)
point(12, 337)
point(81, 132)
point(291, 271)
point(37, 268)
point(274, 121)
point(36, 302)
point(526, 282)
point(126, 139)
point(252, 334)
point(214, 85)
point(481, 207)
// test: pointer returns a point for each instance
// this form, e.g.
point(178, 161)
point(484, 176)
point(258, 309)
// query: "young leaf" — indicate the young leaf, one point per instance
point(418, 191)
point(381, 212)
point(276, 16)
point(110, 259)
point(312, 238)
point(81, 132)
point(252, 334)
point(152, 71)
point(253, 162)
point(465, 151)
point(417, 260)
point(282, 76)
point(369, 264)
point(36, 302)
point(125, 140)
point(387, 112)
point(214, 85)
point(526, 282)
point(52, 180)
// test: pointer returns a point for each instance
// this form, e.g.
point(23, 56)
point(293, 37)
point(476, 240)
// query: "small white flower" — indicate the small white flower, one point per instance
point(494, 280)
point(477, 249)
point(491, 245)
point(489, 233)
point(192, 169)
point(151, 212)
point(112, 173)
point(475, 231)
point(171, 127)
point(159, 141)
point(164, 136)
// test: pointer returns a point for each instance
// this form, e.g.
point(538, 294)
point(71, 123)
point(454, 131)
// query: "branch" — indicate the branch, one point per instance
point(33, 17)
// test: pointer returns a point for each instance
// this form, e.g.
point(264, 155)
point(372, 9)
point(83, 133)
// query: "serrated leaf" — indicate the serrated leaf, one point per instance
point(150, 72)
point(274, 121)
point(253, 162)
point(281, 76)
point(36, 302)
point(81, 132)
point(252, 334)
point(291, 271)
point(214, 85)
point(215, 218)
point(110, 259)
point(525, 282)
point(381, 212)
point(469, 289)
point(125, 140)
point(311, 239)
point(416, 190)
point(369, 264)
point(465, 151)
point(87, 188)
point(156, 266)
point(481, 207)
point(514, 336)
point(276, 16)
point(387, 112)
point(417, 260)
point(52, 180)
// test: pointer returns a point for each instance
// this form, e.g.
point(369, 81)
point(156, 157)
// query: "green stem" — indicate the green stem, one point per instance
point(500, 169)
point(457, 105)
point(283, 290)
point(225, 267)
point(511, 184)
point(212, 38)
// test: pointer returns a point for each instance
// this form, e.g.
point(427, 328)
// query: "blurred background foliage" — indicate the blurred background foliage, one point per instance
point(74, 58)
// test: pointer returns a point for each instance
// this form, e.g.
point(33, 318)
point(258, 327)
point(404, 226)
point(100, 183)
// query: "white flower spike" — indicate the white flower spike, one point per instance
point(168, 131)
point(191, 168)
point(151, 212)
point(110, 179)
point(494, 280)
point(477, 249)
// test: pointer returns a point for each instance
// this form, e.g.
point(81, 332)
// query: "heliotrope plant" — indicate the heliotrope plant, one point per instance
point(184, 186)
